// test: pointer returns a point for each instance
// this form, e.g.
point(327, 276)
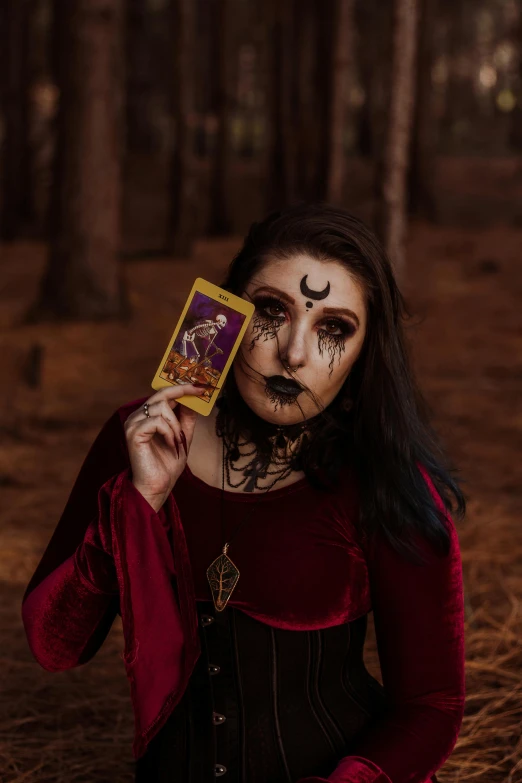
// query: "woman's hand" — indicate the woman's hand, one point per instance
point(158, 445)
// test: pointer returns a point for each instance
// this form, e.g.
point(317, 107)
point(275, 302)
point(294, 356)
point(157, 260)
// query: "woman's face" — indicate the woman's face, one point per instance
point(316, 312)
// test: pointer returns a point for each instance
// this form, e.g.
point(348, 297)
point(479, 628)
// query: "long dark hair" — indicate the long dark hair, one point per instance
point(384, 433)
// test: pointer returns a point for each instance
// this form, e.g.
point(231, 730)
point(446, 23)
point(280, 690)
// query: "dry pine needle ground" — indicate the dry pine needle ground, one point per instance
point(76, 726)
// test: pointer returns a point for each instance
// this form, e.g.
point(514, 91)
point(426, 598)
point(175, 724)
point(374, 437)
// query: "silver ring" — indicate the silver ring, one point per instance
point(146, 409)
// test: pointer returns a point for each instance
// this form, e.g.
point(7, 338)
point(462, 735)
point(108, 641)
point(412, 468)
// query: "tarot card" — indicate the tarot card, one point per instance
point(204, 343)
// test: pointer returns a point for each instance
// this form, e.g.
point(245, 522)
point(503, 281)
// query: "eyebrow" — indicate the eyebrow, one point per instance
point(329, 310)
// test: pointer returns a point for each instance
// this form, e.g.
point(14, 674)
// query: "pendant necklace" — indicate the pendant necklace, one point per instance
point(222, 573)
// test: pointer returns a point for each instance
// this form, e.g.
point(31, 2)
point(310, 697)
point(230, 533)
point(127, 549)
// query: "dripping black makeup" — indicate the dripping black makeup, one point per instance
point(335, 326)
point(307, 312)
point(267, 297)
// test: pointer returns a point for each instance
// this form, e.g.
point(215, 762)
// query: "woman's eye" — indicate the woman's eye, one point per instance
point(265, 306)
point(338, 328)
point(332, 327)
point(273, 309)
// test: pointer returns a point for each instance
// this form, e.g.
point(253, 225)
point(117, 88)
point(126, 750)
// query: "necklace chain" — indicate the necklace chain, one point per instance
point(285, 461)
point(265, 489)
point(223, 574)
point(282, 474)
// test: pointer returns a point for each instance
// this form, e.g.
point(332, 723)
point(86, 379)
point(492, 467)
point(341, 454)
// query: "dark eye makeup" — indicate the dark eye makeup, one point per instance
point(265, 303)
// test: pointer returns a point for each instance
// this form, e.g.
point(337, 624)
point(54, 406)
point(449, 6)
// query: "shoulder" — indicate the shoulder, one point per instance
point(441, 504)
point(369, 538)
point(348, 487)
point(343, 499)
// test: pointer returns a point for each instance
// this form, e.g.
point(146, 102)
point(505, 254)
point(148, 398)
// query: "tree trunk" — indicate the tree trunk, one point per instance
point(374, 21)
point(182, 224)
point(83, 279)
point(425, 130)
point(17, 210)
point(341, 67)
point(516, 114)
point(281, 164)
point(139, 52)
point(306, 111)
point(393, 202)
point(460, 100)
point(219, 220)
point(326, 16)
point(310, 98)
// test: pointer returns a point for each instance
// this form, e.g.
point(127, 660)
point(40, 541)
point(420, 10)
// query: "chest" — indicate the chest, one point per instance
point(298, 557)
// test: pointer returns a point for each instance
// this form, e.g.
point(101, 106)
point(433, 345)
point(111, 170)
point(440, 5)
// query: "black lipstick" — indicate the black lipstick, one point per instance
point(282, 385)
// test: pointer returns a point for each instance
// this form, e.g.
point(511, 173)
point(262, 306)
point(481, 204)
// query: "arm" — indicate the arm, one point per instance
point(419, 625)
point(73, 597)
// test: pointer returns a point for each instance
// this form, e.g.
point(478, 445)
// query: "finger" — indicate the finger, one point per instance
point(163, 409)
point(155, 401)
point(172, 393)
point(187, 421)
point(184, 443)
point(157, 424)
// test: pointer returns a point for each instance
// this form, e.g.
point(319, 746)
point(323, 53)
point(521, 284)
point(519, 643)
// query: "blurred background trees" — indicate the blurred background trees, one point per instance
point(136, 126)
point(83, 277)
point(138, 141)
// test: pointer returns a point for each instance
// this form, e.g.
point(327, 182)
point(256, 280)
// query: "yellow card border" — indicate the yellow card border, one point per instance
point(230, 300)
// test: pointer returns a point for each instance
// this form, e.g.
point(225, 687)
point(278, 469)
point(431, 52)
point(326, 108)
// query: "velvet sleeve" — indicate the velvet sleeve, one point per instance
point(73, 597)
point(419, 627)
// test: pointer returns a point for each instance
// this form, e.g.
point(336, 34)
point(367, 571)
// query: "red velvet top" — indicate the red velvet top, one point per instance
point(302, 567)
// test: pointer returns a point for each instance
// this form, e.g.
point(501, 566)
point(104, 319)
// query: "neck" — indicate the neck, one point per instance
point(244, 462)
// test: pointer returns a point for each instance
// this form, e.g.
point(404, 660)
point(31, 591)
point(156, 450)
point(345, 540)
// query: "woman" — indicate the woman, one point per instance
point(244, 550)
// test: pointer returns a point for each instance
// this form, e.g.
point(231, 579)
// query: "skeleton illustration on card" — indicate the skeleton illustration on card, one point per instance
point(204, 343)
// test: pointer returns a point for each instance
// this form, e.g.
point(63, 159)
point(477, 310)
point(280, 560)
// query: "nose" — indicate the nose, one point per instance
point(295, 355)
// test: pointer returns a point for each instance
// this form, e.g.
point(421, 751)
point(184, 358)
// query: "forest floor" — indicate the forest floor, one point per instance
point(465, 287)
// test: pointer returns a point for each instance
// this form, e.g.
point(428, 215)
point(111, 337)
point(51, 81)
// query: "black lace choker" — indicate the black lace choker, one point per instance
point(273, 449)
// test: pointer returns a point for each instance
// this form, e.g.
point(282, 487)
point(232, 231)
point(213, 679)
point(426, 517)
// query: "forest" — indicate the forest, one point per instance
point(139, 139)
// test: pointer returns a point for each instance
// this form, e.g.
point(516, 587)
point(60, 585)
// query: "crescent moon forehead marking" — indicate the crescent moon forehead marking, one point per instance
point(314, 294)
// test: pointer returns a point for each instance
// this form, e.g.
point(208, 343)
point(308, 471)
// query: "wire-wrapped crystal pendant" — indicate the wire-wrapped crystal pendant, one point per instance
point(222, 577)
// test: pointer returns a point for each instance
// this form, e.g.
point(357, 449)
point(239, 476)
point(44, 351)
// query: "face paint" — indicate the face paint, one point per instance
point(282, 390)
point(334, 343)
point(279, 398)
point(263, 326)
point(320, 343)
point(317, 295)
point(268, 325)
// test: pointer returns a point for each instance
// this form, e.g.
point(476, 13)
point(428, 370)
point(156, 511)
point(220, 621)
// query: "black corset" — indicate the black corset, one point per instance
point(265, 704)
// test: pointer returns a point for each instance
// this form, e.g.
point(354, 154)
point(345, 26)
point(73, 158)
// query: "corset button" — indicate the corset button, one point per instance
point(219, 770)
point(206, 619)
point(213, 668)
point(218, 718)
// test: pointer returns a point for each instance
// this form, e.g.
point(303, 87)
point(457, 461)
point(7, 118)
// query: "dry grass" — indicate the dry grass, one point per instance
point(77, 725)
point(490, 743)
point(73, 726)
